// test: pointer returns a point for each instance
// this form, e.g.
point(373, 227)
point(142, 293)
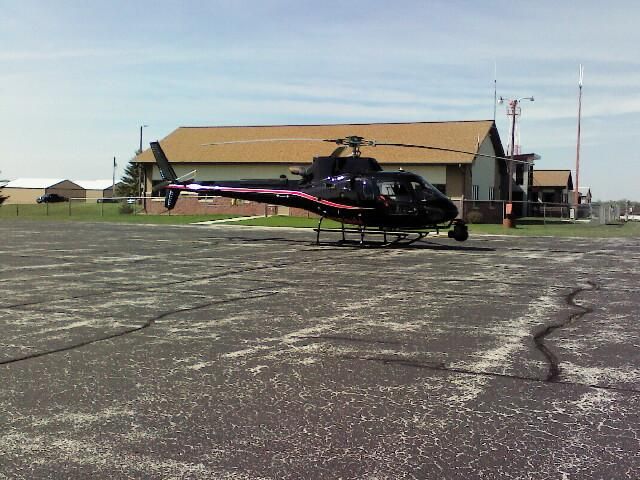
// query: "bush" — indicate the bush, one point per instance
point(474, 216)
point(125, 209)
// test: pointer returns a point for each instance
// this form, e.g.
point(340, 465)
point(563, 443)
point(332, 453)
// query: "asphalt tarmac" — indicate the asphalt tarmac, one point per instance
point(227, 352)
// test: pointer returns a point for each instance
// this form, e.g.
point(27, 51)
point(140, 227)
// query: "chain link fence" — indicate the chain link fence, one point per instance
point(493, 211)
point(75, 207)
point(472, 211)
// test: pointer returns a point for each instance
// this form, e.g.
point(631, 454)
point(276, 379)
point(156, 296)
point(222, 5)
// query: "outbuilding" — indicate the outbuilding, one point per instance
point(551, 186)
point(95, 189)
point(27, 190)
point(584, 197)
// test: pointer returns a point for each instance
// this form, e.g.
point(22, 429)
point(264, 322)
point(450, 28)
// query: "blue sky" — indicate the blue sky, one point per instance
point(78, 78)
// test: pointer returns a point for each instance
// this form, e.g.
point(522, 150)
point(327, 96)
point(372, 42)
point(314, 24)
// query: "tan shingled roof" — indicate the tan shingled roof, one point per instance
point(551, 178)
point(184, 145)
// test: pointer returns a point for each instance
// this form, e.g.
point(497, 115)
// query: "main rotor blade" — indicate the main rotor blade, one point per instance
point(263, 140)
point(452, 150)
point(187, 177)
point(361, 142)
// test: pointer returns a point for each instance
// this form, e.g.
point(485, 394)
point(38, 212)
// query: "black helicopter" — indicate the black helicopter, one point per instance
point(352, 190)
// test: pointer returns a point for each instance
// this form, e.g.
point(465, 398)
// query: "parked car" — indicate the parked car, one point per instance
point(51, 198)
point(107, 200)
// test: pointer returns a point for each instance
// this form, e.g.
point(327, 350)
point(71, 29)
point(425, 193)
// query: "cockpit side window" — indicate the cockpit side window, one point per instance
point(423, 190)
point(395, 190)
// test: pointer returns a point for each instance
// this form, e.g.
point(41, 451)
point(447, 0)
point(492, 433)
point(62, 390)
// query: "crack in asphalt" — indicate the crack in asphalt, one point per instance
point(129, 331)
point(151, 321)
point(153, 288)
point(172, 283)
point(25, 307)
point(553, 373)
point(442, 367)
point(554, 367)
point(331, 338)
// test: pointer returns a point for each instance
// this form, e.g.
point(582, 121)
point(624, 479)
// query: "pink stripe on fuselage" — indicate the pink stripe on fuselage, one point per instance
point(196, 188)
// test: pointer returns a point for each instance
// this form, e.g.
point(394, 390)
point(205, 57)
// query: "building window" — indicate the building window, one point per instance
point(519, 174)
point(475, 192)
point(492, 193)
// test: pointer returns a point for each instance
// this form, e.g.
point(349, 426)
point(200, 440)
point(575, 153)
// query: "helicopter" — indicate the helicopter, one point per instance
point(352, 190)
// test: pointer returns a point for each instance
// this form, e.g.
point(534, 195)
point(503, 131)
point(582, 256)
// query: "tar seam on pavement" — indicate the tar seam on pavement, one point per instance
point(554, 368)
point(129, 331)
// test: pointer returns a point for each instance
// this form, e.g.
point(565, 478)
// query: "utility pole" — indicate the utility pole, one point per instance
point(576, 196)
point(495, 89)
point(513, 105)
point(140, 180)
point(113, 185)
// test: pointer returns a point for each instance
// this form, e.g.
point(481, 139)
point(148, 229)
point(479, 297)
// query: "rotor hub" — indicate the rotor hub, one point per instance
point(355, 142)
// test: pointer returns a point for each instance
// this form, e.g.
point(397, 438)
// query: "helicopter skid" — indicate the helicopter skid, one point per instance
point(391, 237)
point(386, 237)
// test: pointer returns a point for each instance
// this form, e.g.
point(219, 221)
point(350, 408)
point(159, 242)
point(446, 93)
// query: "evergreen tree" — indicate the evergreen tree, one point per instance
point(129, 185)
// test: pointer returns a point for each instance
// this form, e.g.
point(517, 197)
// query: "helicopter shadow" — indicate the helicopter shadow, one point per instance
point(418, 245)
point(355, 245)
point(277, 240)
point(352, 244)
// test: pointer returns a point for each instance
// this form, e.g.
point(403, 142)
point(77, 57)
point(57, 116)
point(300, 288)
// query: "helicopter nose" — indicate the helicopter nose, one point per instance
point(450, 210)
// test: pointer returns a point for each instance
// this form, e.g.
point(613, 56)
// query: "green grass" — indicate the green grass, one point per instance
point(96, 212)
point(109, 212)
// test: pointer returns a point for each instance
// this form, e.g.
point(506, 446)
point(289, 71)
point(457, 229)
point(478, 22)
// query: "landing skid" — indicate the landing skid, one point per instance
point(389, 237)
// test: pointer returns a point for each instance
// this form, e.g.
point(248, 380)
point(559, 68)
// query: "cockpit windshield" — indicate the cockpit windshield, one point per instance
point(406, 189)
point(423, 190)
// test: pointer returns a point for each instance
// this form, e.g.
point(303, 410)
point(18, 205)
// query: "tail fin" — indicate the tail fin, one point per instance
point(166, 170)
point(167, 173)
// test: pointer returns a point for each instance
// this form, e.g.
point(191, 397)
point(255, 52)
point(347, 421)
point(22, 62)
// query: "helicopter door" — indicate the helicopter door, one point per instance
point(364, 187)
point(396, 196)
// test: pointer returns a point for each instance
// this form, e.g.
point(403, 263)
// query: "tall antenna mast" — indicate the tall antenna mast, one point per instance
point(495, 89)
point(576, 197)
